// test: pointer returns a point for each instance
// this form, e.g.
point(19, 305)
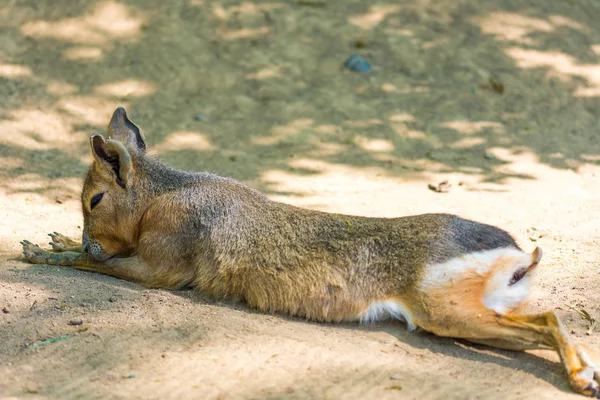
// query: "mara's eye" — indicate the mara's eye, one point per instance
point(95, 200)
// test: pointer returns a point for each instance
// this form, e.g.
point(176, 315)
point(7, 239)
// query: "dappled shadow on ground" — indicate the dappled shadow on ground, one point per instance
point(254, 90)
point(188, 338)
point(244, 89)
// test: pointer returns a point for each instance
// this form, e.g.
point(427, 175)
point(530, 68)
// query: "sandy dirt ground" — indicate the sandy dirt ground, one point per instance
point(500, 98)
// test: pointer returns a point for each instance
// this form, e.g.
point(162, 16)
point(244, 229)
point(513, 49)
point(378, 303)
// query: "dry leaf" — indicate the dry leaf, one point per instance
point(442, 187)
point(394, 387)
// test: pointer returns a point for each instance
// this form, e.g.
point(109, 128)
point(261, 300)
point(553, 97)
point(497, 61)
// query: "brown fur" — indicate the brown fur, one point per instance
point(171, 229)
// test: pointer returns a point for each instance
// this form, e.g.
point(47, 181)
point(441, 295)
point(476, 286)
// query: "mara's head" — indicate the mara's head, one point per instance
point(110, 210)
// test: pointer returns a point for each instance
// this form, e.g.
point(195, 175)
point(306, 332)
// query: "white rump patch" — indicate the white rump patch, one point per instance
point(499, 295)
point(383, 310)
point(439, 275)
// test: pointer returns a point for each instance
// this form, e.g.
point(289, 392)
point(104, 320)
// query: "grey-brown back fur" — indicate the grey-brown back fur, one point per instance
point(249, 242)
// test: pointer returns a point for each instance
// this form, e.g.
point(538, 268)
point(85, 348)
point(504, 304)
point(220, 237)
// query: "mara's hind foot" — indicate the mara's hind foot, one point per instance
point(61, 243)
point(590, 374)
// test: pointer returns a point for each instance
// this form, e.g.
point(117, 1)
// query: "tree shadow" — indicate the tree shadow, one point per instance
point(244, 89)
point(256, 86)
point(100, 297)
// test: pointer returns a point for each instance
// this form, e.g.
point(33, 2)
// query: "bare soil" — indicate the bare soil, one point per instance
point(501, 99)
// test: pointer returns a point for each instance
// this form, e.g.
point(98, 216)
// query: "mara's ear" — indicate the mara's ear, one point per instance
point(121, 128)
point(114, 156)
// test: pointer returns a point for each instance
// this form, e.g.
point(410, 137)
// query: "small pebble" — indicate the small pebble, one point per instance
point(357, 64)
point(32, 387)
point(5, 310)
point(395, 377)
point(489, 156)
point(199, 117)
point(496, 85)
point(360, 44)
point(112, 299)
point(76, 322)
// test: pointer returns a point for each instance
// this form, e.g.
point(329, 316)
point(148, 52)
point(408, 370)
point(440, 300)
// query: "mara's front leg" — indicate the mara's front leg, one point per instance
point(61, 242)
point(130, 268)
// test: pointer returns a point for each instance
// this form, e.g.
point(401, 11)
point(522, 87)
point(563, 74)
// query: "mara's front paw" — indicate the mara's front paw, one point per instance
point(61, 242)
point(35, 254)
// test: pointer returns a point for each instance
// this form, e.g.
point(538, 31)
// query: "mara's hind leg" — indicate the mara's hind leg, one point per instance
point(476, 298)
point(541, 331)
point(523, 332)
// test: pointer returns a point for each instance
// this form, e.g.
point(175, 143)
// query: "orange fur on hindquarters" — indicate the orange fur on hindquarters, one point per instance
point(474, 288)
